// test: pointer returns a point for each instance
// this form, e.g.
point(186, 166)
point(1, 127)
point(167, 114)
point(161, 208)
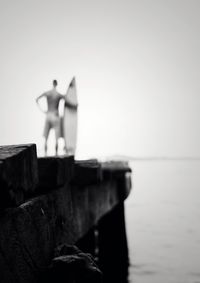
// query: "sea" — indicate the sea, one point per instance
point(163, 221)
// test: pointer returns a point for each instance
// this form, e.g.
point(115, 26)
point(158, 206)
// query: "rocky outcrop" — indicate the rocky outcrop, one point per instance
point(71, 265)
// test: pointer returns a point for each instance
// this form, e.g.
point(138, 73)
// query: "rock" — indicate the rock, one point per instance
point(72, 265)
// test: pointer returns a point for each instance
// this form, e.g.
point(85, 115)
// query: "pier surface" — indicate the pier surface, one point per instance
point(46, 202)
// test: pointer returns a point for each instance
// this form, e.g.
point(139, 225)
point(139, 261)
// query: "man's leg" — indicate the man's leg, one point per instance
point(56, 147)
point(57, 135)
point(45, 147)
point(47, 127)
point(57, 128)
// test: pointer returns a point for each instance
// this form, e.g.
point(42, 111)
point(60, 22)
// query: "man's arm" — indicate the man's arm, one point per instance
point(40, 96)
point(37, 100)
point(71, 105)
point(68, 103)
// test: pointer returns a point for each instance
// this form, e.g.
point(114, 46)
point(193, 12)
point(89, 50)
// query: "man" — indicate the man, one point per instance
point(53, 98)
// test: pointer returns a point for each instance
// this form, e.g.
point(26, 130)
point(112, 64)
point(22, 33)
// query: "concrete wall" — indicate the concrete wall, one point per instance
point(60, 201)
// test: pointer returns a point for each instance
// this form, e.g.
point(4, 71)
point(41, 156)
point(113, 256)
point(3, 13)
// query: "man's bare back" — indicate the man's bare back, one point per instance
point(53, 99)
point(52, 121)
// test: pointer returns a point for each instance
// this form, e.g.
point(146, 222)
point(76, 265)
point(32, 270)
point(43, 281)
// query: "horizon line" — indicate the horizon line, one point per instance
point(152, 158)
point(166, 158)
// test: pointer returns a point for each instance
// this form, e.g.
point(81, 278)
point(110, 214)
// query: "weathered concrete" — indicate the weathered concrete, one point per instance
point(54, 172)
point(87, 172)
point(18, 173)
point(66, 212)
point(112, 244)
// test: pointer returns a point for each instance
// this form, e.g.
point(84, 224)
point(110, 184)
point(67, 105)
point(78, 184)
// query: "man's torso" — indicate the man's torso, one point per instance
point(53, 99)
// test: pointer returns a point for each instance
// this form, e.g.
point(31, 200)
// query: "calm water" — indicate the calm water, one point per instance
point(163, 222)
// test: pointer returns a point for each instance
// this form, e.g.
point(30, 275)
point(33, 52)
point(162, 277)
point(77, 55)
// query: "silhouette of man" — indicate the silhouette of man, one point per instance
point(52, 121)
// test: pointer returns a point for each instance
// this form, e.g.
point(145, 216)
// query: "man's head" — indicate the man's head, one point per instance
point(55, 83)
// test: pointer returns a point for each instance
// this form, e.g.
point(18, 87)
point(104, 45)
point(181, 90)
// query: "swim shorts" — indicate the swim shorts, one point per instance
point(52, 122)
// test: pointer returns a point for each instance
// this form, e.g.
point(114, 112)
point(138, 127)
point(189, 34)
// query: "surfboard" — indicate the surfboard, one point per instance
point(70, 118)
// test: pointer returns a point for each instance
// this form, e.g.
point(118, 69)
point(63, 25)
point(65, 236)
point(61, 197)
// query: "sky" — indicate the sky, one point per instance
point(137, 66)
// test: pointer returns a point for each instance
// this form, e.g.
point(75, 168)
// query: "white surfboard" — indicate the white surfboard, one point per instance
point(70, 118)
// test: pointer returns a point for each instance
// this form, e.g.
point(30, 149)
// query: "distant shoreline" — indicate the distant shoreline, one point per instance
point(154, 158)
point(166, 158)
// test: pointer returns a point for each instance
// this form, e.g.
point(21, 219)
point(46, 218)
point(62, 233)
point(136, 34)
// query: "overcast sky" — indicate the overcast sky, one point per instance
point(137, 65)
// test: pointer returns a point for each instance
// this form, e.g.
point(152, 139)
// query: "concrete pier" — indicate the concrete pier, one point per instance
point(48, 202)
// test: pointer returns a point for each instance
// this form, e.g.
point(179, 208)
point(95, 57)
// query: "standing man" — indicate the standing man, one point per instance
point(52, 121)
